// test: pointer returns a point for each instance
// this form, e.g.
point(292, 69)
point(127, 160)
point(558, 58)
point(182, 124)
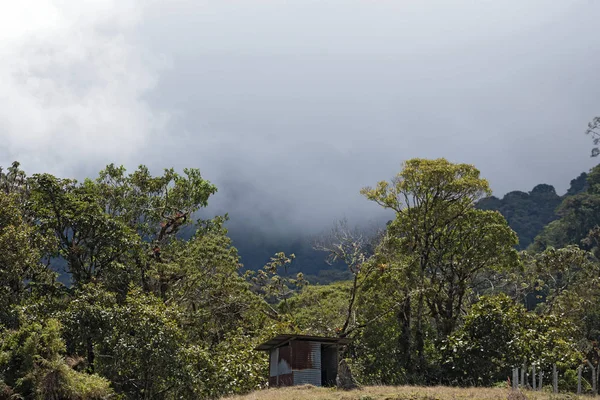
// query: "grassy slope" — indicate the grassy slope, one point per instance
point(397, 393)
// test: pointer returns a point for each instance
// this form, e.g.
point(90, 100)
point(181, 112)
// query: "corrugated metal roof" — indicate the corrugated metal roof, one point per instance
point(280, 340)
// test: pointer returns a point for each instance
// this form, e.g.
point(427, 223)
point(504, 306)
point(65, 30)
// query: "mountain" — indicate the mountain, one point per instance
point(528, 213)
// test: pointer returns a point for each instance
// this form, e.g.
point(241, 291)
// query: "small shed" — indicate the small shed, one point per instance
point(300, 359)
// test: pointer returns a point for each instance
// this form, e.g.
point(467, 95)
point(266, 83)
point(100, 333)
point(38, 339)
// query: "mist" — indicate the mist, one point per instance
point(290, 108)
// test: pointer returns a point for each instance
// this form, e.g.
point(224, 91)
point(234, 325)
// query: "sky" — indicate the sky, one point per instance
point(291, 107)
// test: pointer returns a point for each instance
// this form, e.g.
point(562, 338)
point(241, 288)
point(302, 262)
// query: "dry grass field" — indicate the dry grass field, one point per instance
point(400, 393)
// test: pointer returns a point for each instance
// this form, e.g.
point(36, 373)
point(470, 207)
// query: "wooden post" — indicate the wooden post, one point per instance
point(594, 387)
point(579, 379)
point(597, 377)
point(554, 379)
point(541, 385)
point(522, 383)
point(533, 377)
point(515, 379)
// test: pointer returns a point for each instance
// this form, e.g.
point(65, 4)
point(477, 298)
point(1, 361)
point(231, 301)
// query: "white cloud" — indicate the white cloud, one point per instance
point(292, 106)
point(72, 84)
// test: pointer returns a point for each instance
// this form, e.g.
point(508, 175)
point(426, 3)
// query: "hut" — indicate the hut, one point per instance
point(300, 359)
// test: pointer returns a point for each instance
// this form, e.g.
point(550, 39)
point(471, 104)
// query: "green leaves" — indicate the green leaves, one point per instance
point(499, 334)
point(20, 256)
point(430, 182)
point(148, 310)
point(140, 353)
point(32, 362)
point(155, 207)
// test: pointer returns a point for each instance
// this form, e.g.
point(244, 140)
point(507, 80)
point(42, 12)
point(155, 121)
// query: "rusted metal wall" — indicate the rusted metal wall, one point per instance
point(281, 380)
point(286, 380)
point(307, 376)
point(280, 368)
point(284, 365)
point(306, 362)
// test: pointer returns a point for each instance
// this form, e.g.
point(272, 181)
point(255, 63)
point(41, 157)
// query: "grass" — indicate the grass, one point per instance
point(308, 392)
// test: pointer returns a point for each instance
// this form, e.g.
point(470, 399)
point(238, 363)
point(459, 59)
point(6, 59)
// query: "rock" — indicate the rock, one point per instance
point(344, 379)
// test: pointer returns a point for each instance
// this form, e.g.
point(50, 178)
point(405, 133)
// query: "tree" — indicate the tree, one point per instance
point(88, 240)
point(446, 243)
point(352, 247)
point(159, 315)
point(594, 131)
point(498, 335)
point(32, 362)
point(141, 354)
point(320, 309)
point(21, 271)
point(526, 213)
point(14, 181)
point(579, 215)
point(201, 275)
point(154, 207)
point(118, 221)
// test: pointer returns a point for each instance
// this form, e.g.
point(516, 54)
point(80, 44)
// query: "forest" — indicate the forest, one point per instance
point(105, 293)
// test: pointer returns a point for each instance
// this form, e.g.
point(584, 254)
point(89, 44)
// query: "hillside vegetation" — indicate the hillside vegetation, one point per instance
point(439, 296)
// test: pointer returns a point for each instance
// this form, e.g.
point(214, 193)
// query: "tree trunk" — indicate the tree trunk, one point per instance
point(419, 336)
point(404, 344)
point(90, 354)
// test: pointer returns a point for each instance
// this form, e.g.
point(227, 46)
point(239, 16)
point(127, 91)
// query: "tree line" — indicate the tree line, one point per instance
point(440, 295)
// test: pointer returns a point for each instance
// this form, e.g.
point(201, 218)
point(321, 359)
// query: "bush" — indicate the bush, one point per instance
point(6, 392)
point(56, 381)
point(32, 362)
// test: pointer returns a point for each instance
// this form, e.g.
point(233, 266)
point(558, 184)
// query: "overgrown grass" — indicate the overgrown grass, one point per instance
point(308, 392)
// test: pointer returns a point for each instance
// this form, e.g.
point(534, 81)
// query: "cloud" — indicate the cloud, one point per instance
point(291, 107)
point(72, 84)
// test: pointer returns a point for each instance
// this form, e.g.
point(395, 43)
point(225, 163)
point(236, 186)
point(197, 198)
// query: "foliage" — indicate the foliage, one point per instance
point(439, 245)
point(149, 312)
point(89, 240)
point(140, 354)
point(320, 310)
point(594, 132)
point(526, 213)
point(159, 308)
point(19, 259)
point(579, 215)
point(33, 364)
point(276, 287)
point(473, 356)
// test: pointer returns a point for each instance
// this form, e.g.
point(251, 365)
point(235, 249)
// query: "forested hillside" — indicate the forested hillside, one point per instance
point(528, 213)
point(439, 295)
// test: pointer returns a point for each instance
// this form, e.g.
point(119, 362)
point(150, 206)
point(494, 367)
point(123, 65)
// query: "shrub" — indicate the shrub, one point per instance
point(6, 392)
point(56, 381)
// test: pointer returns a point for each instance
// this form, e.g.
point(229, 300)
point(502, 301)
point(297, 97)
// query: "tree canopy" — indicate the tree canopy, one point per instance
point(157, 305)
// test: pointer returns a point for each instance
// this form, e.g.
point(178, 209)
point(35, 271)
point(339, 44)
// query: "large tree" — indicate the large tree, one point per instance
point(158, 313)
point(445, 243)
